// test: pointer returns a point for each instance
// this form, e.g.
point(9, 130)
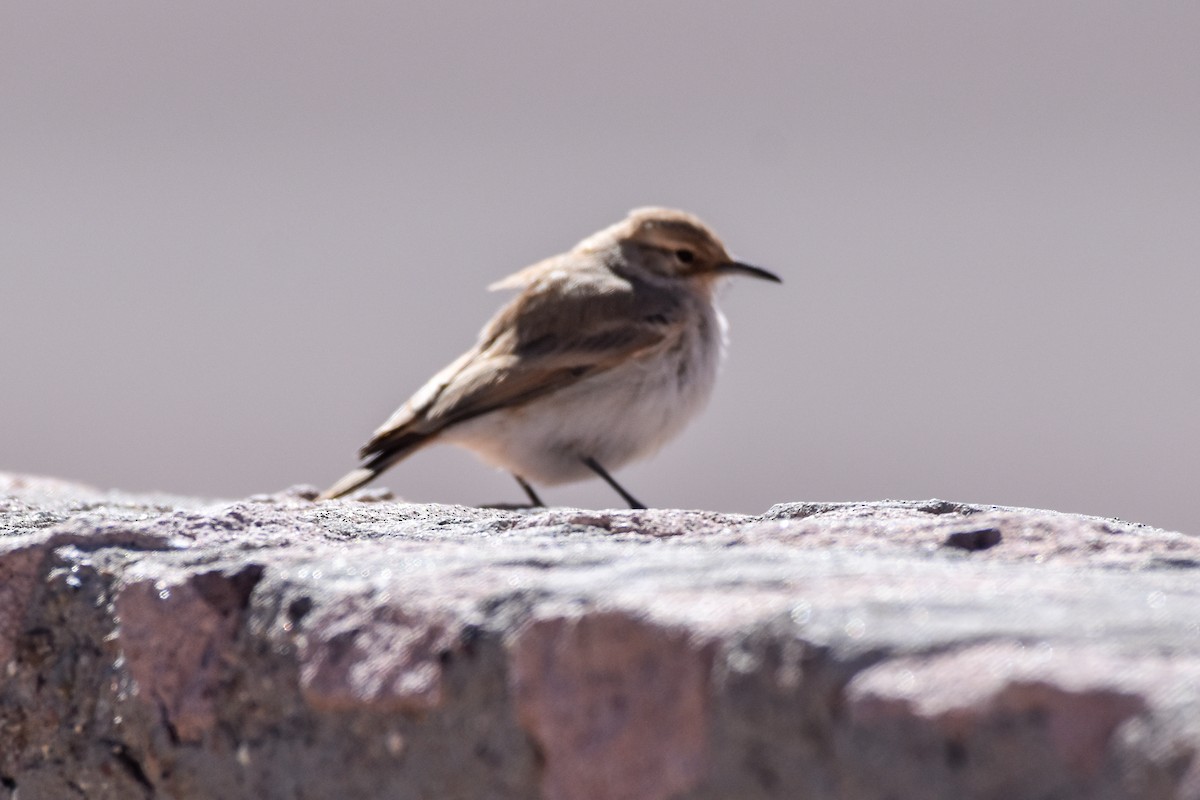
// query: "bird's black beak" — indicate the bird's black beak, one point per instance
point(738, 268)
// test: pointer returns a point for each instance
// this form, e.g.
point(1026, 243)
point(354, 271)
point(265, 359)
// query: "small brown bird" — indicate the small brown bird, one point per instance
point(608, 350)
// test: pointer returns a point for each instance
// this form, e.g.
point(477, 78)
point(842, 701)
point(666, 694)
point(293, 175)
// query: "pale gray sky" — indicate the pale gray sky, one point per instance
point(233, 237)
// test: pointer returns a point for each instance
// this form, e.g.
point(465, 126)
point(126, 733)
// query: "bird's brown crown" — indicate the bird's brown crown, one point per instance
point(663, 240)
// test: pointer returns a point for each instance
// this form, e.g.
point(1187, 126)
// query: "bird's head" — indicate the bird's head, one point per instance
point(671, 244)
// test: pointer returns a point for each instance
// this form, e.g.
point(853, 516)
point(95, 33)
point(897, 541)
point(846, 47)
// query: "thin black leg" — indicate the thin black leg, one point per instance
point(595, 467)
point(533, 498)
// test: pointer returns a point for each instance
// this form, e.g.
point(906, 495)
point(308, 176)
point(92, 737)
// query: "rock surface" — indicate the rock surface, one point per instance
point(163, 647)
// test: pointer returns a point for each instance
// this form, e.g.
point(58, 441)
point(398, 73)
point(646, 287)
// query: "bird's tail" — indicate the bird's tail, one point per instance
point(349, 482)
point(400, 447)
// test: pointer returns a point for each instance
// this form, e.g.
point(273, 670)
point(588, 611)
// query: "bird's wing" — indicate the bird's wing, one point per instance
point(566, 325)
point(523, 277)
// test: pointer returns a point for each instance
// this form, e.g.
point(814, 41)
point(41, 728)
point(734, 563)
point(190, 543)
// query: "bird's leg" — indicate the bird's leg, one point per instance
point(595, 467)
point(533, 498)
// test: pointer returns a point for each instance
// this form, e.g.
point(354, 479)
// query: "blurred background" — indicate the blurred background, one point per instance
point(234, 237)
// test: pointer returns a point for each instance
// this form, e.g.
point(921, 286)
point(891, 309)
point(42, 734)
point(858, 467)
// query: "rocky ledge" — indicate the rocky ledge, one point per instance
point(163, 647)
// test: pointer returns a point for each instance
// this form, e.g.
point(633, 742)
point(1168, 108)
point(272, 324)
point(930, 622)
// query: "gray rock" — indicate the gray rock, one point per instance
point(164, 647)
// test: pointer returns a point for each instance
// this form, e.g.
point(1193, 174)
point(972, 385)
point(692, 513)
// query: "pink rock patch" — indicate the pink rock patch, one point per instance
point(381, 657)
point(618, 707)
point(18, 576)
point(1074, 695)
point(176, 641)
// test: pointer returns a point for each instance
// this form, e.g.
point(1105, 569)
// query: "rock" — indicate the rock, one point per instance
point(165, 647)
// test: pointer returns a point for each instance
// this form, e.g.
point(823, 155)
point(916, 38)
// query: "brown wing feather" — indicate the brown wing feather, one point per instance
point(551, 336)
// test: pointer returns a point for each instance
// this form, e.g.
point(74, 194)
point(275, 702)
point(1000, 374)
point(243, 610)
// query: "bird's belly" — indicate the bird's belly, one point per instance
point(614, 417)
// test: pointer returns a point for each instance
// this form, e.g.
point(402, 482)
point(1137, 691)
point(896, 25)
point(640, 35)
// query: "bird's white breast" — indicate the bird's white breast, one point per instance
point(615, 416)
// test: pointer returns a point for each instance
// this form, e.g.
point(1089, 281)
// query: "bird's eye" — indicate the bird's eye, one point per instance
point(685, 256)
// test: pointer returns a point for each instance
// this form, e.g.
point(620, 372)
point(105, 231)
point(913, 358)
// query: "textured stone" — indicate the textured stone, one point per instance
point(618, 708)
point(164, 647)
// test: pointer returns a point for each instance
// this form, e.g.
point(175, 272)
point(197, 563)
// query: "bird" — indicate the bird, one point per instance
point(604, 354)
